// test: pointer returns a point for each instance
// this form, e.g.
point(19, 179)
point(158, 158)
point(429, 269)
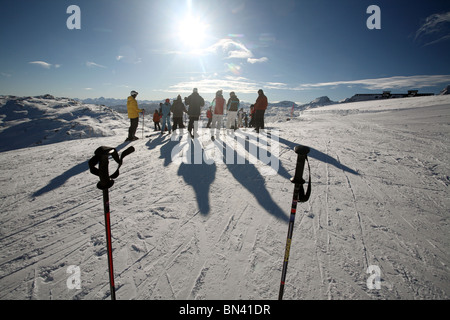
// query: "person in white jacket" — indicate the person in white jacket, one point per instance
point(218, 105)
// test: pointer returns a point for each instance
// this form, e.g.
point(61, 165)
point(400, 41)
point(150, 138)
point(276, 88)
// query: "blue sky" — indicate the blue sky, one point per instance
point(294, 50)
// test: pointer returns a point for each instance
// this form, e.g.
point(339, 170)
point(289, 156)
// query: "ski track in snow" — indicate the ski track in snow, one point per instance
point(218, 231)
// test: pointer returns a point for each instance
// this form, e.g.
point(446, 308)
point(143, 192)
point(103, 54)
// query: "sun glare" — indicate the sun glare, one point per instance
point(192, 32)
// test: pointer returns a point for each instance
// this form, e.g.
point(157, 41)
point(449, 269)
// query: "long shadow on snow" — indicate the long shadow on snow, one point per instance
point(251, 179)
point(198, 176)
point(280, 169)
point(318, 155)
point(58, 181)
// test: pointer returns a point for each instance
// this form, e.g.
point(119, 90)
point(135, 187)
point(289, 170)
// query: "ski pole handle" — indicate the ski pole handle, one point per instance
point(101, 158)
point(302, 152)
point(105, 181)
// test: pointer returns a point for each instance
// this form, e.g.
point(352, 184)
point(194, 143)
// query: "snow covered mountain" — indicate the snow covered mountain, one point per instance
point(111, 102)
point(31, 121)
point(214, 227)
point(318, 102)
point(446, 90)
point(282, 111)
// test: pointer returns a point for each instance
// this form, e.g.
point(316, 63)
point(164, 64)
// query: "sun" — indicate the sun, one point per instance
point(192, 32)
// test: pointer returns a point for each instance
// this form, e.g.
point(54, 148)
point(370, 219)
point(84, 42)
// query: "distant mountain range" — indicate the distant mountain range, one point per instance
point(120, 104)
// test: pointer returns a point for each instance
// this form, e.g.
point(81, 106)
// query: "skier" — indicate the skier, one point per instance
point(165, 110)
point(195, 102)
point(232, 108)
point(177, 109)
point(260, 108)
point(156, 119)
point(252, 116)
point(218, 103)
point(133, 115)
point(209, 116)
point(240, 116)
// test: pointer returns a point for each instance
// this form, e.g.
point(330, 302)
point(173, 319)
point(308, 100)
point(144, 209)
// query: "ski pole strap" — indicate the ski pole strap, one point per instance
point(302, 152)
point(101, 158)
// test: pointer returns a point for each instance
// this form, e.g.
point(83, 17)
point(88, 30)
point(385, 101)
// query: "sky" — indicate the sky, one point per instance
point(294, 50)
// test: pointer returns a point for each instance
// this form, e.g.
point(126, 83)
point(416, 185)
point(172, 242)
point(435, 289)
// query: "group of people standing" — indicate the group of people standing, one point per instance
point(219, 107)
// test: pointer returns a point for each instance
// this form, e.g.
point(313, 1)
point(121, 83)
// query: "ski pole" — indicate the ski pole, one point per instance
point(108, 243)
point(298, 196)
point(106, 181)
point(143, 118)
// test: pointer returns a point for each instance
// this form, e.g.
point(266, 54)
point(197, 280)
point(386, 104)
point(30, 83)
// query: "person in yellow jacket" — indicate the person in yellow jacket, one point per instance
point(133, 115)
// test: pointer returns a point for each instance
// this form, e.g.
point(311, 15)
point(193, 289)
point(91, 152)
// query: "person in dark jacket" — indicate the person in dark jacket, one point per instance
point(195, 103)
point(232, 110)
point(177, 109)
point(252, 116)
point(260, 108)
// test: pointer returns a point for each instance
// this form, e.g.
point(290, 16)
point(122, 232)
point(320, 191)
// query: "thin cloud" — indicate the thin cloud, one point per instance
point(91, 64)
point(129, 59)
point(42, 64)
point(397, 82)
point(227, 84)
point(226, 48)
point(231, 49)
point(435, 29)
point(260, 60)
point(243, 85)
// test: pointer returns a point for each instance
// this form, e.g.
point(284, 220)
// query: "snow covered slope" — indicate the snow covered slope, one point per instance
point(32, 121)
point(380, 178)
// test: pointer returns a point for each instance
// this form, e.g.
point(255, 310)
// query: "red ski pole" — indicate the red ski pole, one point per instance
point(143, 118)
point(106, 181)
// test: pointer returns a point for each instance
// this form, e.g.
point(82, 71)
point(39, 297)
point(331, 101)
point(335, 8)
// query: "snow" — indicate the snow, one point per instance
point(218, 231)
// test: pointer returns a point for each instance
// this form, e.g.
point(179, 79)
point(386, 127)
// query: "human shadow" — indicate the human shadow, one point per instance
point(318, 155)
point(251, 179)
point(264, 155)
point(62, 178)
point(166, 150)
point(77, 169)
point(199, 176)
point(153, 143)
